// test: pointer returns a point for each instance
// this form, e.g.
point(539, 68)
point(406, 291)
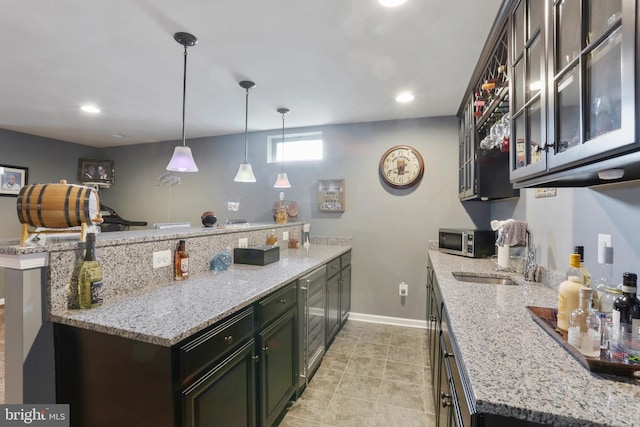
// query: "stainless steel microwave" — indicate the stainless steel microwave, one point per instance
point(466, 242)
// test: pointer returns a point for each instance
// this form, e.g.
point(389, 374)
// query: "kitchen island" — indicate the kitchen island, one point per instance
point(38, 279)
point(511, 366)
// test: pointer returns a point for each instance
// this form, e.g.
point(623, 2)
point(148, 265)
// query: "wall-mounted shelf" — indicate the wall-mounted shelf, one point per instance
point(331, 195)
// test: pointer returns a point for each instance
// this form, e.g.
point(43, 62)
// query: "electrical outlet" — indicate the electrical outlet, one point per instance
point(161, 258)
point(603, 240)
point(285, 235)
point(243, 242)
point(403, 289)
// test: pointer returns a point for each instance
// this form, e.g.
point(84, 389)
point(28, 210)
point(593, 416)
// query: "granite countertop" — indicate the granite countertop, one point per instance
point(168, 314)
point(514, 367)
point(70, 241)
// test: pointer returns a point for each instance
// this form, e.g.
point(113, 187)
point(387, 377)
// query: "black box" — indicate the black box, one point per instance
point(256, 255)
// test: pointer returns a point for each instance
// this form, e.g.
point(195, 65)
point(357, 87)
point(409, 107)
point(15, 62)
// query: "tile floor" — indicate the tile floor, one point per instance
point(373, 375)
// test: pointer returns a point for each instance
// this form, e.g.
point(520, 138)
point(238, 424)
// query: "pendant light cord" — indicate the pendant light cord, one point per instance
point(184, 94)
point(282, 162)
point(246, 122)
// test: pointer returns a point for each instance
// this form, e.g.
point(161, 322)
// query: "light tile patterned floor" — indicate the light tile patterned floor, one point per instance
point(373, 375)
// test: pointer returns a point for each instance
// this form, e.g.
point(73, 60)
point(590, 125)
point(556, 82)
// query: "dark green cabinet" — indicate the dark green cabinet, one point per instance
point(338, 295)
point(345, 293)
point(225, 395)
point(239, 372)
point(333, 308)
point(277, 348)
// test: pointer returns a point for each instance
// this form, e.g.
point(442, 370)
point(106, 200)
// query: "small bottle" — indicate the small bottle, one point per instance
point(568, 298)
point(181, 265)
point(272, 239)
point(606, 278)
point(281, 213)
point(584, 326)
point(584, 273)
point(574, 267)
point(90, 277)
point(626, 309)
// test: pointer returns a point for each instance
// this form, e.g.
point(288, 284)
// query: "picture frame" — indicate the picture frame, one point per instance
point(96, 172)
point(12, 179)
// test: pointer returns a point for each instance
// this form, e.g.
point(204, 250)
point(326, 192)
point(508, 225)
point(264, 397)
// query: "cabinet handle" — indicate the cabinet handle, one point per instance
point(283, 301)
point(256, 358)
point(228, 339)
point(433, 318)
point(341, 281)
point(335, 267)
point(266, 349)
point(445, 354)
point(445, 399)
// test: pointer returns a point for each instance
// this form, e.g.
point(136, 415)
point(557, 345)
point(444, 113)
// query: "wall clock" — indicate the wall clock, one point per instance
point(401, 166)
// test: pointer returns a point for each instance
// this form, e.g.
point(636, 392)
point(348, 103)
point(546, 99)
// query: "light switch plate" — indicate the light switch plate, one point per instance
point(161, 258)
point(603, 240)
point(243, 242)
point(285, 235)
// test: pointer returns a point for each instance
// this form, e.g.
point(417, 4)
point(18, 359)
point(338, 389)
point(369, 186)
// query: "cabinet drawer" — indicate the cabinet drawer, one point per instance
point(274, 305)
point(345, 259)
point(215, 343)
point(333, 267)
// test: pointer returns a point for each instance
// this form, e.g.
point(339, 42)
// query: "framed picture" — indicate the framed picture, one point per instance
point(96, 172)
point(12, 179)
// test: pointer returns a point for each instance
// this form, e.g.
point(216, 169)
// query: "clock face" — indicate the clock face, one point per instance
point(401, 166)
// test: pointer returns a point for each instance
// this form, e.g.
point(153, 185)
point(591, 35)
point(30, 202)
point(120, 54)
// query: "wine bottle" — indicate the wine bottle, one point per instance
point(626, 309)
point(181, 262)
point(90, 276)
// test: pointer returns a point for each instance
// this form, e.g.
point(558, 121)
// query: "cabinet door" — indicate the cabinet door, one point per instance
point(594, 68)
point(226, 395)
point(444, 404)
point(466, 152)
point(528, 83)
point(278, 371)
point(333, 307)
point(345, 293)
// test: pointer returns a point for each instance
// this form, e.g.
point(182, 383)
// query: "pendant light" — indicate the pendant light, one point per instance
point(182, 160)
point(282, 181)
point(245, 173)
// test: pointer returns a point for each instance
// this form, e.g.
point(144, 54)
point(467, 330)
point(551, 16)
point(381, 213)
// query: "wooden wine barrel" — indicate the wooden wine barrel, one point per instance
point(58, 205)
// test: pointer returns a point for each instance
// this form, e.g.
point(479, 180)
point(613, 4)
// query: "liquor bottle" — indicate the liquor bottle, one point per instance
point(584, 273)
point(626, 309)
point(568, 298)
point(90, 277)
point(272, 239)
point(181, 262)
point(281, 212)
point(584, 326)
point(606, 280)
point(574, 267)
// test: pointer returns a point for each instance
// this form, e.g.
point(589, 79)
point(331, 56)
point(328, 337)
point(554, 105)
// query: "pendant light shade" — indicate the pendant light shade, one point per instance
point(282, 181)
point(245, 172)
point(182, 159)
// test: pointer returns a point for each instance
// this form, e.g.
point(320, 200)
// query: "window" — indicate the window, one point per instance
point(297, 147)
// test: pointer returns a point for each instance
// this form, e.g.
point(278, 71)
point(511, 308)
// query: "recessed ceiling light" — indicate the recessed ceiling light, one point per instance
point(391, 3)
point(90, 109)
point(405, 97)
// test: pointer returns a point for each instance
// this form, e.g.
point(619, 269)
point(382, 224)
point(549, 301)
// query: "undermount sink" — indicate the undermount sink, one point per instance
point(475, 278)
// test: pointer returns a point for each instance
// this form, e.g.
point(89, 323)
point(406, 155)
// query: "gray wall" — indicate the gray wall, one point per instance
point(48, 160)
point(390, 228)
point(575, 217)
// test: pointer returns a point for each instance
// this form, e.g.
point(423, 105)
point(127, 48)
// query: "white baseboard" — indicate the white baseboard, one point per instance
point(397, 321)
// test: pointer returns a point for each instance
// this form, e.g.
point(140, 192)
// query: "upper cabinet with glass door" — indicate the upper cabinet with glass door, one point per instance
point(593, 89)
point(585, 113)
point(528, 108)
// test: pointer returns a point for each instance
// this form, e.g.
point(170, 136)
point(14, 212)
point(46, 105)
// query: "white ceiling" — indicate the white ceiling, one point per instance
point(329, 61)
